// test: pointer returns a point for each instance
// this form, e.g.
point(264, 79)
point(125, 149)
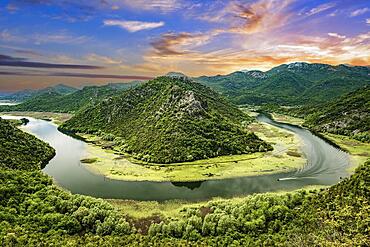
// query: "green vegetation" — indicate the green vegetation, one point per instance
point(285, 157)
point(56, 102)
point(290, 84)
point(348, 115)
point(169, 120)
point(20, 150)
point(29, 93)
point(33, 211)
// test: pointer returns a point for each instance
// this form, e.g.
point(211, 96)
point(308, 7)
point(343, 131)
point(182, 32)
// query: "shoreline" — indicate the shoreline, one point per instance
point(285, 157)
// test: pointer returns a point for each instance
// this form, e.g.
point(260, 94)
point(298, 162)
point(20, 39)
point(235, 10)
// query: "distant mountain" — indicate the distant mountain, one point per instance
point(57, 101)
point(29, 93)
point(347, 115)
point(289, 84)
point(169, 120)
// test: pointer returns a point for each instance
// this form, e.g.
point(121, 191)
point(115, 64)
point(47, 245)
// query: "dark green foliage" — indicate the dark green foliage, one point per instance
point(348, 115)
point(169, 120)
point(290, 84)
point(56, 102)
point(20, 150)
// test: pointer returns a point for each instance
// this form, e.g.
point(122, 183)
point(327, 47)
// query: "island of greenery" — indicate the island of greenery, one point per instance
point(169, 119)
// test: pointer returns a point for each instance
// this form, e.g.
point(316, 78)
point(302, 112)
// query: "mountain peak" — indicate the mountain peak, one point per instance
point(177, 75)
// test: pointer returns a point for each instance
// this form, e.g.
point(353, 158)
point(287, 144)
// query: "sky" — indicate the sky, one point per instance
point(77, 43)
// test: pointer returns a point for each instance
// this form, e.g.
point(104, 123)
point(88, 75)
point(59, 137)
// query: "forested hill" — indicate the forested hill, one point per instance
point(69, 103)
point(290, 84)
point(19, 150)
point(169, 120)
point(347, 115)
point(29, 93)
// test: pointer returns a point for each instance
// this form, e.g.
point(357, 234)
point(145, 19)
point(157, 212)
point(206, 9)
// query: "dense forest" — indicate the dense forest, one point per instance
point(347, 115)
point(169, 120)
point(289, 84)
point(55, 101)
point(20, 150)
point(34, 212)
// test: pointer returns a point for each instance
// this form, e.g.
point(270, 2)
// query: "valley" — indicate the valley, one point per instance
point(243, 156)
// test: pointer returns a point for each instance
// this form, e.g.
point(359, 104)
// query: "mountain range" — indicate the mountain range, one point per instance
point(289, 84)
point(29, 93)
point(50, 100)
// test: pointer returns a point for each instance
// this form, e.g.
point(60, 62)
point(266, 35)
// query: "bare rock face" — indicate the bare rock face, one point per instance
point(189, 104)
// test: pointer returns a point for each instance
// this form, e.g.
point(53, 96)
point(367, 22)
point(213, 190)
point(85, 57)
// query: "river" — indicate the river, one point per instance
point(325, 166)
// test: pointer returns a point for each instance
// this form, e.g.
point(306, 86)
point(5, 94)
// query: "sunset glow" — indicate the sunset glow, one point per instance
point(46, 42)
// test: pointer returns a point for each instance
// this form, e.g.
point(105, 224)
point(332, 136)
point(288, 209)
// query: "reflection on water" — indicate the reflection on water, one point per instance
point(325, 166)
point(189, 185)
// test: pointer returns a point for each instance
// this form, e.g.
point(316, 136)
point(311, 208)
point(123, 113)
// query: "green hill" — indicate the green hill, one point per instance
point(20, 150)
point(290, 84)
point(347, 115)
point(57, 102)
point(29, 93)
point(169, 120)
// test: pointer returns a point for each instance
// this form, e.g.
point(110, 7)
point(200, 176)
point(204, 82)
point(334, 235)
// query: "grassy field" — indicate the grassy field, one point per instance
point(287, 119)
point(175, 208)
point(57, 118)
point(286, 156)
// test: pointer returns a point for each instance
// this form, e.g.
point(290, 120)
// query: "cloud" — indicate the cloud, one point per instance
point(101, 76)
point(335, 35)
point(10, 61)
point(160, 5)
point(174, 43)
point(78, 75)
point(260, 16)
point(358, 12)
point(102, 59)
point(133, 26)
point(368, 21)
point(320, 8)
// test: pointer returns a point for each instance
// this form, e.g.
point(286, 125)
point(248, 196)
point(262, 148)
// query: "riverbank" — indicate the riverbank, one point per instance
point(176, 208)
point(285, 157)
point(360, 151)
point(57, 118)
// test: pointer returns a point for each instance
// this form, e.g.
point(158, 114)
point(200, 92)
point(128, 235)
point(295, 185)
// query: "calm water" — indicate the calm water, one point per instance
point(325, 166)
point(5, 102)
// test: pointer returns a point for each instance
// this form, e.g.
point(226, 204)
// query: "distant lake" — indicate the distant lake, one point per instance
point(6, 102)
point(325, 166)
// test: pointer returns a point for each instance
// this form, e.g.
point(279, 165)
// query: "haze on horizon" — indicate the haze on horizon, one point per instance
point(47, 42)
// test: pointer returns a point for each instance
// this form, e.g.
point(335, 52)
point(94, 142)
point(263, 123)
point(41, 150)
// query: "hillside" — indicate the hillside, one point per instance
point(347, 115)
point(57, 102)
point(169, 120)
point(29, 93)
point(20, 150)
point(289, 84)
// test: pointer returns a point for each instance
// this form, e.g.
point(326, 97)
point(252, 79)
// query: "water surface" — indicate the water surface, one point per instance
point(326, 165)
